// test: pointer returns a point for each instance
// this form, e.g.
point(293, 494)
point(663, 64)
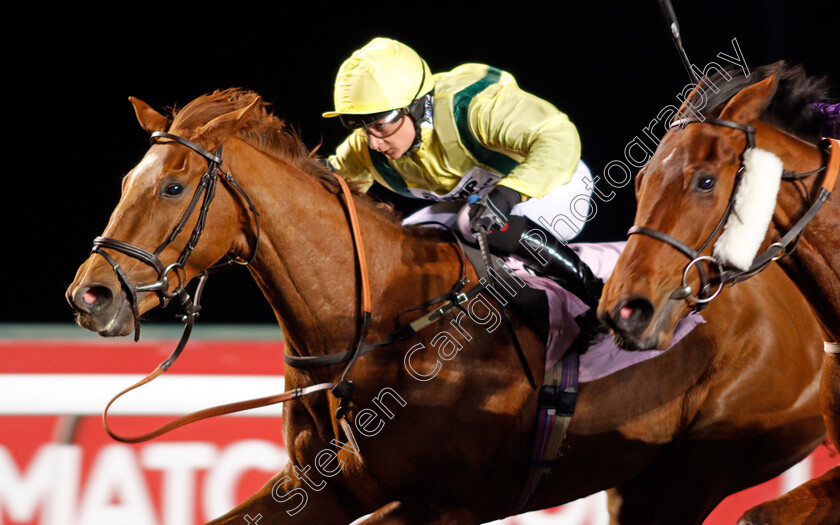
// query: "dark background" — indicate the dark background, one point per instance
point(70, 133)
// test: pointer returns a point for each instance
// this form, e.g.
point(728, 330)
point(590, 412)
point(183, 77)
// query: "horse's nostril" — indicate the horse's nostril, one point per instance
point(93, 297)
point(90, 297)
point(634, 315)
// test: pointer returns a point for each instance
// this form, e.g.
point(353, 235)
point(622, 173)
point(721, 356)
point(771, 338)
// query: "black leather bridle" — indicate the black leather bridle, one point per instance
point(710, 287)
point(205, 192)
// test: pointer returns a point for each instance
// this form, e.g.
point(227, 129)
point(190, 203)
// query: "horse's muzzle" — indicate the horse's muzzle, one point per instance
point(100, 308)
point(636, 323)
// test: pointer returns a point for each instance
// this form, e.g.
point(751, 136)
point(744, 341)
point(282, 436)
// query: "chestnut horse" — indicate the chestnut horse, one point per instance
point(439, 436)
point(684, 196)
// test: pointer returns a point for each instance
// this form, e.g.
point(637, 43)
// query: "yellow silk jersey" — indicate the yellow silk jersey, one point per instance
point(481, 118)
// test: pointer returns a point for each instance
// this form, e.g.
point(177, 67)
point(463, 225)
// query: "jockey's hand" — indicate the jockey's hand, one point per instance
point(490, 212)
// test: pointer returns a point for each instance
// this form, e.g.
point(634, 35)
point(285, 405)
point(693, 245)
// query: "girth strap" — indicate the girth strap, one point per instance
point(558, 397)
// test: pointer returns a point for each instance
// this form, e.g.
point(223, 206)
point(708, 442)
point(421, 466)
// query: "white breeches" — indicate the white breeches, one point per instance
point(563, 212)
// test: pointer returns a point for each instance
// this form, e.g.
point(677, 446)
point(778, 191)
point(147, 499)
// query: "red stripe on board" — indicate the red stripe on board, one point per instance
point(127, 357)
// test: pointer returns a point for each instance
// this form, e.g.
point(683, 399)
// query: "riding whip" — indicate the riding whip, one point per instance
point(671, 20)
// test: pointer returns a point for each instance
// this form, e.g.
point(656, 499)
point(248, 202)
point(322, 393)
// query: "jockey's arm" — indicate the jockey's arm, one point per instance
point(348, 162)
point(503, 117)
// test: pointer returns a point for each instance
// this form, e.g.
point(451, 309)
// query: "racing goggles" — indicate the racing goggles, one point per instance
point(380, 125)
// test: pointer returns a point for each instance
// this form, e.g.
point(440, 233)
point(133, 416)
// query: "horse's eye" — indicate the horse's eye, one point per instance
point(173, 190)
point(706, 183)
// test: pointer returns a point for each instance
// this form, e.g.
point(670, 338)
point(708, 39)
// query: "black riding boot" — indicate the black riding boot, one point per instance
point(549, 257)
point(553, 259)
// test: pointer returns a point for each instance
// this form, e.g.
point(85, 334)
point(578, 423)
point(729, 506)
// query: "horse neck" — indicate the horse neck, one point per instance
point(306, 264)
point(815, 263)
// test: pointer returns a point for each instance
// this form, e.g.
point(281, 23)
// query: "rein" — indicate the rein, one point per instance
point(205, 192)
point(727, 275)
point(206, 189)
point(344, 388)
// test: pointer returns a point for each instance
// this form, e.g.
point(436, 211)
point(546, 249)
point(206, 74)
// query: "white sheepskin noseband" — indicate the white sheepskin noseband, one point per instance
point(752, 210)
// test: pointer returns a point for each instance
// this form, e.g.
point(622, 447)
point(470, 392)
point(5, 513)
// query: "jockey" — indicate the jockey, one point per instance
point(471, 132)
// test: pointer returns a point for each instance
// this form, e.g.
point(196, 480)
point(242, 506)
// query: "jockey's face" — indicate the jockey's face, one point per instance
point(394, 141)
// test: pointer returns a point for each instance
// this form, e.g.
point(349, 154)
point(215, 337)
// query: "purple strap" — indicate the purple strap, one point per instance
point(538, 469)
point(830, 114)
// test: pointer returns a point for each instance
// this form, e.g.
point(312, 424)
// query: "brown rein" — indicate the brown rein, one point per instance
point(205, 413)
point(263, 401)
point(343, 390)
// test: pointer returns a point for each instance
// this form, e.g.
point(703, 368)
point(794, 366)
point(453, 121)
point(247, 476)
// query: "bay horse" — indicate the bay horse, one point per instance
point(697, 177)
point(673, 435)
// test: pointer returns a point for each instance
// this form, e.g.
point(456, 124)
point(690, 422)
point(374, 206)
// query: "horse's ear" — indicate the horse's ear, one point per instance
point(748, 104)
point(149, 119)
point(226, 125)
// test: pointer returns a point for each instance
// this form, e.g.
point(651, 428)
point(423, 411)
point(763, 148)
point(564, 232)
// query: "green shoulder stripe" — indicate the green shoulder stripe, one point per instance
point(460, 110)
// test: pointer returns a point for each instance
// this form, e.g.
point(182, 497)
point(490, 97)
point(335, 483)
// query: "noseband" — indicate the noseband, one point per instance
point(343, 390)
point(725, 274)
point(205, 192)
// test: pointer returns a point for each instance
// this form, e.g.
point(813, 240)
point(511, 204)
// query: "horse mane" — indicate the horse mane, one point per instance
point(273, 136)
point(791, 107)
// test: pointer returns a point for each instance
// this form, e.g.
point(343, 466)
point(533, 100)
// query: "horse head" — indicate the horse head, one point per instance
point(684, 197)
point(146, 254)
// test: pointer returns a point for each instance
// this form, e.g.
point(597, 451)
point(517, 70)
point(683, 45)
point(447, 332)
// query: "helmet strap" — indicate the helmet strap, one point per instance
point(420, 110)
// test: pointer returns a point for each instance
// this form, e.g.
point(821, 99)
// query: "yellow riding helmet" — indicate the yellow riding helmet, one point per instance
point(382, 76)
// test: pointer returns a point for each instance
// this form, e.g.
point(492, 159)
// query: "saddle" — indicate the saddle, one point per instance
point(531, 304)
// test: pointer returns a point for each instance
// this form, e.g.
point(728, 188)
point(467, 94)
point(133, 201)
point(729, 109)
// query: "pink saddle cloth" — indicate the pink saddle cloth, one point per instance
point(603, 357)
